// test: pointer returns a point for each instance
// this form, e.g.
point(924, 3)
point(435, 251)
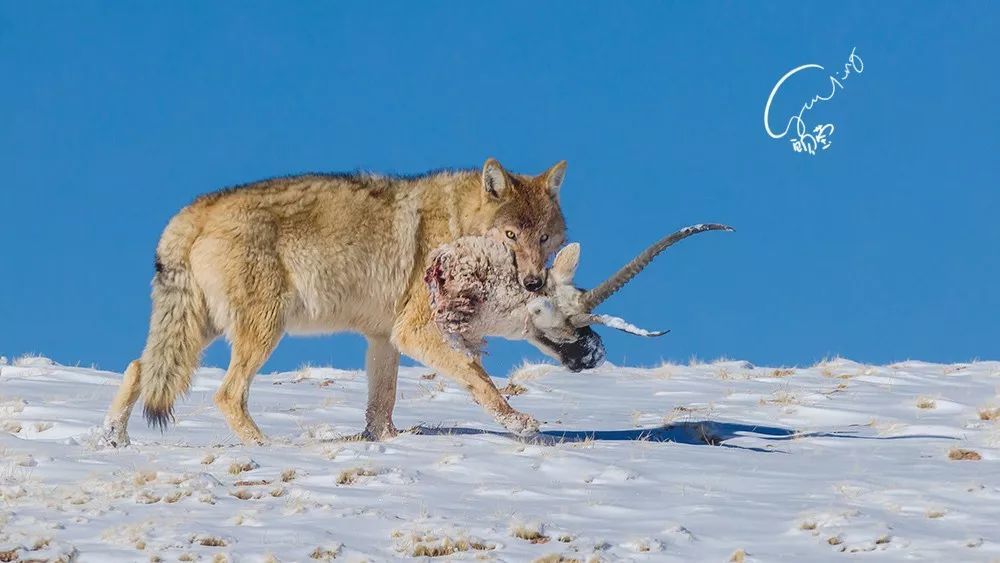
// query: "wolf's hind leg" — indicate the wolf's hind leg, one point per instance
point(252, 345)
point(115, 431)
point(382, 367)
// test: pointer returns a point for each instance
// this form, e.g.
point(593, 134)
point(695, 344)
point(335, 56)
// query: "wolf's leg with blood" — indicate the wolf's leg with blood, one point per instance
point(416, 335)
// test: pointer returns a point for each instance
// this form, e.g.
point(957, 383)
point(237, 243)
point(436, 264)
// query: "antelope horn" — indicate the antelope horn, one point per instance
point(608, 287)
point(586, 319)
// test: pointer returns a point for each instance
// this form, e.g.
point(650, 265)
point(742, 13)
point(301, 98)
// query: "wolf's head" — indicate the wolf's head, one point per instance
point(527, 218)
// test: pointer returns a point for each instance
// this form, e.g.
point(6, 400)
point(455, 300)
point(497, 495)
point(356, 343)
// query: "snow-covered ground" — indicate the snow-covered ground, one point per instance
point(705, 462)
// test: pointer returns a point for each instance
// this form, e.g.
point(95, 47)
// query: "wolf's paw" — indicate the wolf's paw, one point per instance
point(379, 433)
point(254, 439)
point(113, 436)
point(518, 423)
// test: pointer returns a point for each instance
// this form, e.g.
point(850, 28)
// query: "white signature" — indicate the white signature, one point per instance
point(819, 137)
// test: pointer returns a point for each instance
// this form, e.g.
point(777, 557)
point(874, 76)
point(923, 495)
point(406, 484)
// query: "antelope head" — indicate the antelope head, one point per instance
point(560, 320)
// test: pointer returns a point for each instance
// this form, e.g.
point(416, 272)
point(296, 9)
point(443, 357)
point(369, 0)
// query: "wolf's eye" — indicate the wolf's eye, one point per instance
point(545, 238)
point(511, 235)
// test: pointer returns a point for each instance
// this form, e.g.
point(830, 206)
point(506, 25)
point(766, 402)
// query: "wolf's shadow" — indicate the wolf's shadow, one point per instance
point(699, 432)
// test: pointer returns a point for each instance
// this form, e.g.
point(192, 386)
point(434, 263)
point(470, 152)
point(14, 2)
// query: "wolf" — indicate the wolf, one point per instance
point(324, 253)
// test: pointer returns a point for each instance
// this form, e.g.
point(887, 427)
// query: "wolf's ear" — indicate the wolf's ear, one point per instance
point(564, 266)
point(554, 177)
point(495, 181)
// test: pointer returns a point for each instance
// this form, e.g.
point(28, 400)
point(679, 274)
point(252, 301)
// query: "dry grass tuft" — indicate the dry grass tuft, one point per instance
point(528, 371)
point(288, 475)
point(211, 541)
point(325, 554)
point(238, 467)
point(142, 477)
point(807, 525)
point(883, 539)
point(512, 389)
point(960, 454)
point(834, 540)
point(987, 413)
point(243, 494)
point(555, 558)
point(665, 370)
point(782, 372)
point(421, 544)
point(176, 496)
point(446, 547)
point(209, 459)
point(926, 403)
point(147, 497)
point(349, 476)
point(738, 556)
point(532, 532)
point(780, 398)
point(253, 483)
point(39, 545)
point(935, 513)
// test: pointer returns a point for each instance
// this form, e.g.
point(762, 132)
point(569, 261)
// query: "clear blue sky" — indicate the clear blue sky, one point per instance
point(882, 248)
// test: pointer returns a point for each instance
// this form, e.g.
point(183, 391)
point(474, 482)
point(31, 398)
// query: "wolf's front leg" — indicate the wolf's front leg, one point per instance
point(382, 366)
point(423, 342)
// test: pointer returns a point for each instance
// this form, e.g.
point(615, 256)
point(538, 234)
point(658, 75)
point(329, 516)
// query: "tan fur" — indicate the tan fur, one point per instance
point(322, 254)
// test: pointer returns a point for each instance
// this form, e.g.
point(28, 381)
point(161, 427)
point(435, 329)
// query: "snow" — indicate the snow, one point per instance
point(672, 463)
point(621, 324)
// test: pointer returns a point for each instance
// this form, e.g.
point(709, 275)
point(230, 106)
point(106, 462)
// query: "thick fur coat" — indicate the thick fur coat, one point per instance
point(328, 253)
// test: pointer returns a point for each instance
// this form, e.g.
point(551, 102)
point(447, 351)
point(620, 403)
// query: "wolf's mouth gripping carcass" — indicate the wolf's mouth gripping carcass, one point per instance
point(475, 293)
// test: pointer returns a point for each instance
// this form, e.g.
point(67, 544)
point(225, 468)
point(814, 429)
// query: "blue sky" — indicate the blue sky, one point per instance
point(881, 248)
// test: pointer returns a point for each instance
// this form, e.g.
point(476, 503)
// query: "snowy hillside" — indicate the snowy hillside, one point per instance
point(676, 463)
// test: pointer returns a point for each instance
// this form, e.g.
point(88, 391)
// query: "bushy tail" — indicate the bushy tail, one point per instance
point(177, 327)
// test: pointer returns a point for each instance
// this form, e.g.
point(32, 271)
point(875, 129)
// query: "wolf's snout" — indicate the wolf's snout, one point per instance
point(533, 283)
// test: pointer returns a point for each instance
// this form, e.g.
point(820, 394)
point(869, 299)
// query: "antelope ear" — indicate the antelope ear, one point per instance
point(554, 177)
point(564, 266)
point(495, 182)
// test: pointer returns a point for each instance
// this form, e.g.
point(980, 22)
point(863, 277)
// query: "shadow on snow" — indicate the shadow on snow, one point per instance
point(700, 433)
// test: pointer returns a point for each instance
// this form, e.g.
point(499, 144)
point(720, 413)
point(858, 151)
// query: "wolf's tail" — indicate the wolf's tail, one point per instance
point(179, 323)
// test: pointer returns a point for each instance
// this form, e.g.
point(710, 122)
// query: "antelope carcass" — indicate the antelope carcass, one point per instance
point(475, 293)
